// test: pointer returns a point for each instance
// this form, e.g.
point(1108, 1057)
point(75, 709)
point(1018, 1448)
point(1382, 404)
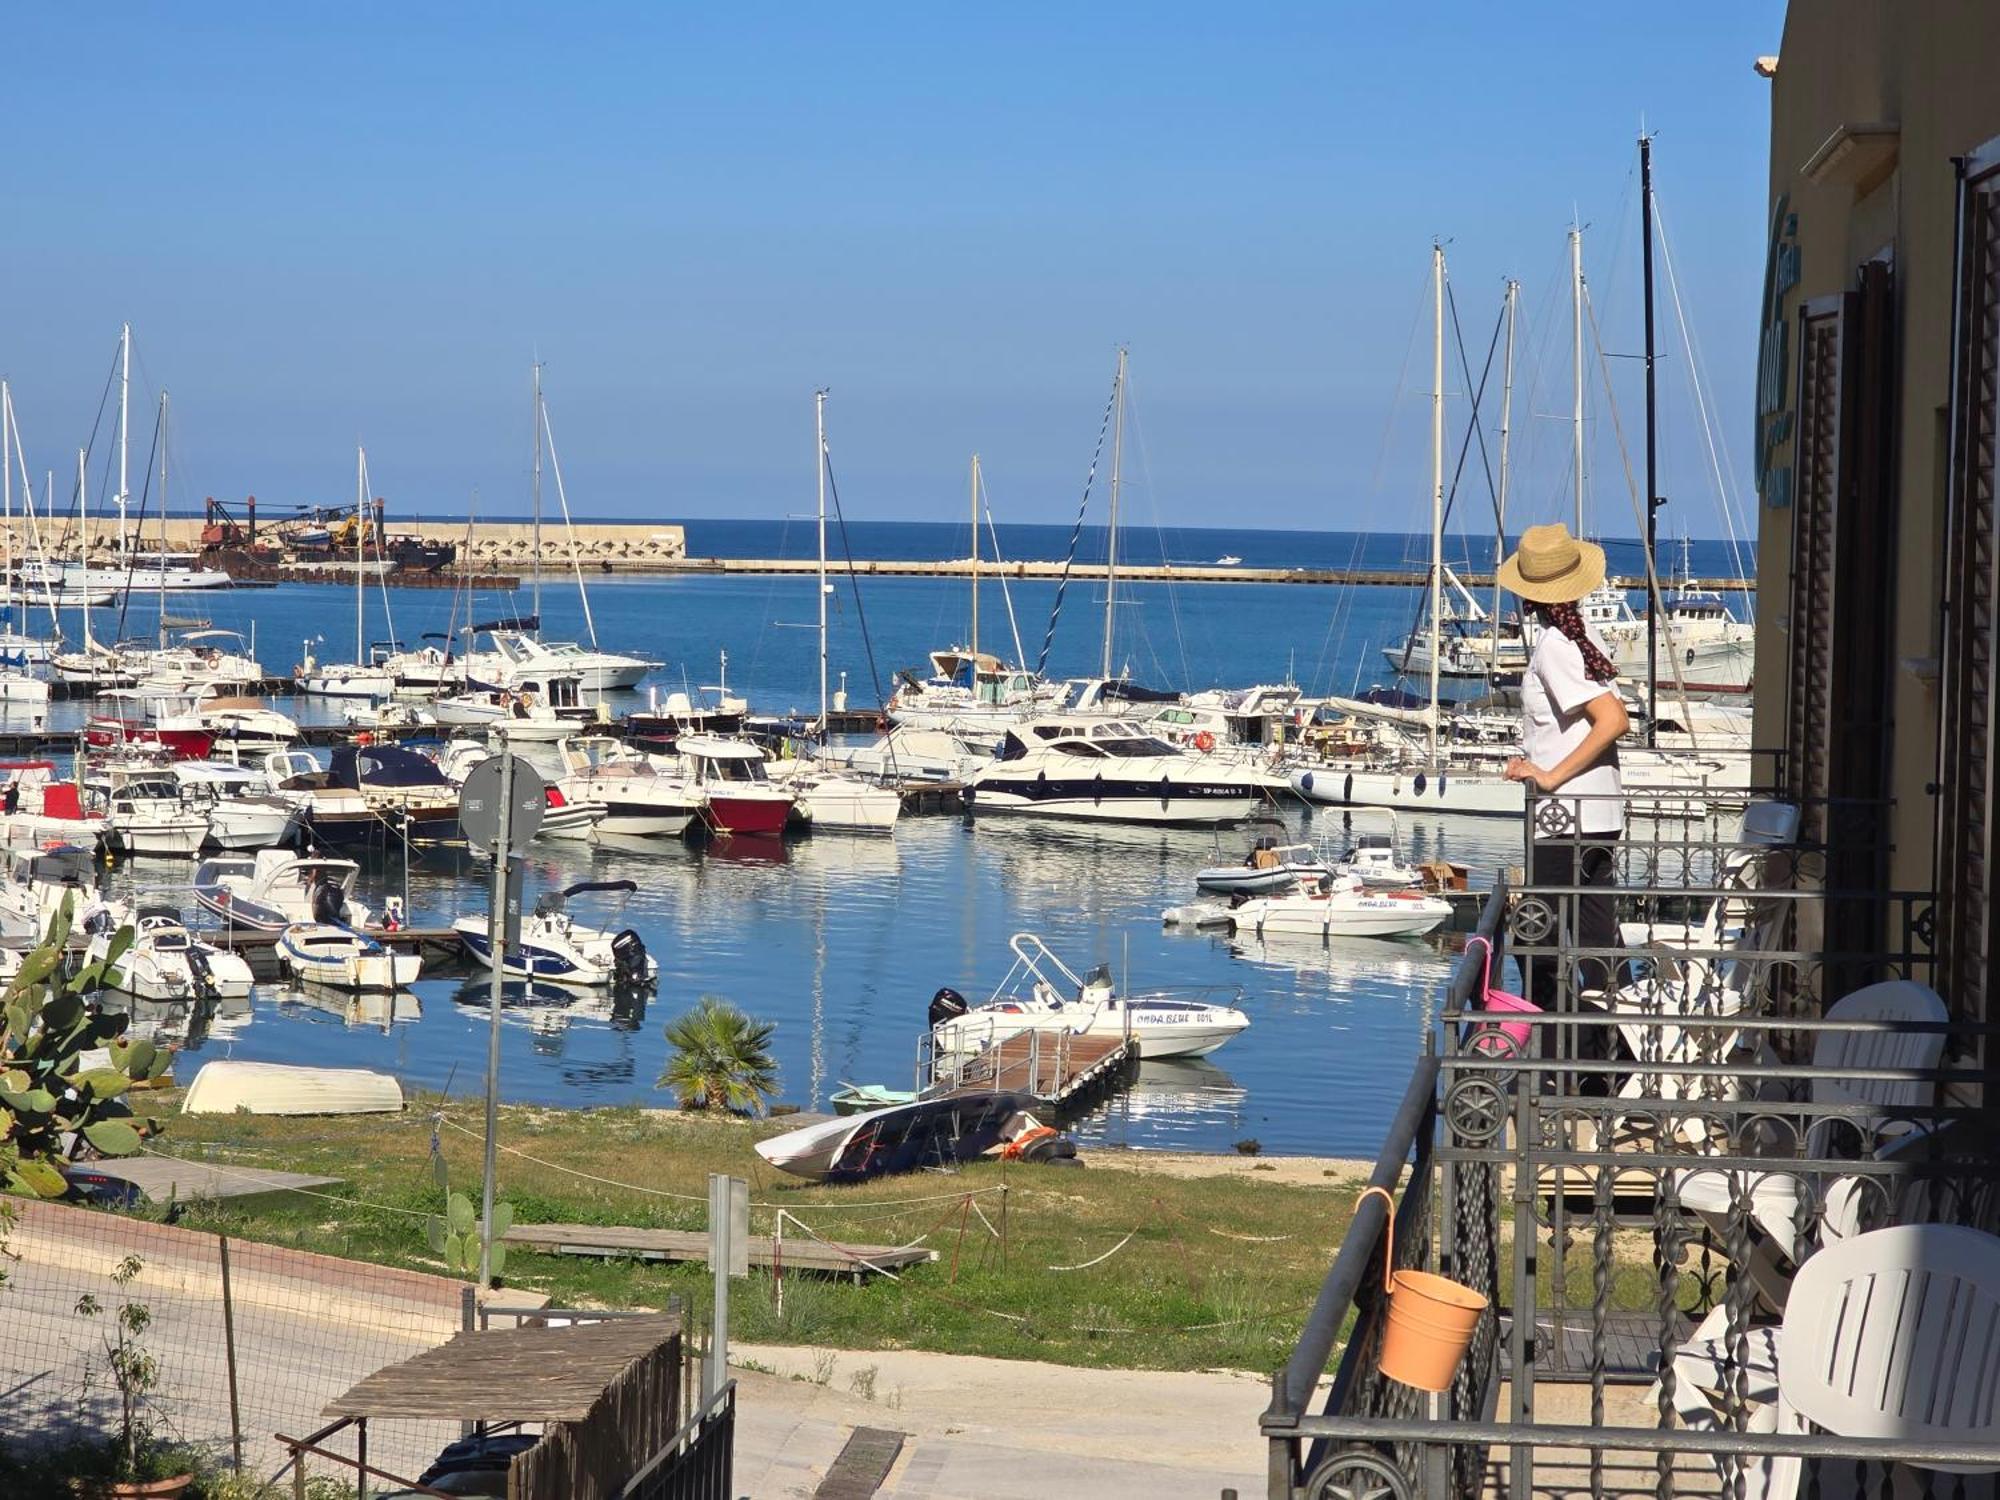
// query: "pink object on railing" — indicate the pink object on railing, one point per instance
point(1499, 1038)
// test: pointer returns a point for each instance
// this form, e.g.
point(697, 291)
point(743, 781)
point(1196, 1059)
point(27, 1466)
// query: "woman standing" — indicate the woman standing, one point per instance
point(1571, 721)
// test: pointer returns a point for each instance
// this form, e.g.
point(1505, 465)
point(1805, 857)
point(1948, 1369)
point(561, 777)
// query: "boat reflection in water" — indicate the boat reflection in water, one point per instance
point(377, 1010)
point(189, 1022)
point(549, 1010)
point(1175, 1098)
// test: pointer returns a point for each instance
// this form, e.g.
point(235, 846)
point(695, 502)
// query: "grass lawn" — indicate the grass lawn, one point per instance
point(1211, 1272)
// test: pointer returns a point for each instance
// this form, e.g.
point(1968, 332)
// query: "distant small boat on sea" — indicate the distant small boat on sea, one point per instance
point(1229, 561)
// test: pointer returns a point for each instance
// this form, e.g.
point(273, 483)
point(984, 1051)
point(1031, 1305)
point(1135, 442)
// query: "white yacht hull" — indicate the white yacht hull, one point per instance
point(840, 805)
point(1447, 791)
point(1342, 916)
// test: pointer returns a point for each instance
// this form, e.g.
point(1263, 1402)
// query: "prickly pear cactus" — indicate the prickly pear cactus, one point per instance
point(50, 1102)
point(456, 1236)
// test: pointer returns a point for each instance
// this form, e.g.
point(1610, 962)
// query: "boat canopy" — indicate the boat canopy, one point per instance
point(712, 747)
point(384, 765)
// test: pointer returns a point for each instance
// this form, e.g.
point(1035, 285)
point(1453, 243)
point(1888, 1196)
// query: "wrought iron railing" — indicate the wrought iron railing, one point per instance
point(1633, 1174)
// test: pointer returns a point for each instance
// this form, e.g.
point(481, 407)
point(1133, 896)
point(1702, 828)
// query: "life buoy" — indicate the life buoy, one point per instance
point(1204, 742)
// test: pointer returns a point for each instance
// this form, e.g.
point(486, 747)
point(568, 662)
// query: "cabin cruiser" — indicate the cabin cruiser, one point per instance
point(545, 707)
point(1270, 866)
point(968, 690)
point(924, 1133)
point(1243, 727)
point(520, 656)
point(38, 881)
point(1042, 993)
point(166, 962)
point(406, 791)
point(149, 720)
point(200, 658)
point(426, 672)
point(146, 811)
point(1470, 646)
point(1341, 906)
point(639, 798)
point(736, 793)
point(337, 957)
point(38, 807)
point(243, 722)
point(276, 888)
point(331, 812)
point(369, 679)
point(910, 753)
point(558, 949)
point(1067, 766)
point(243, 807)
point(1372, 860)
point(836, 801)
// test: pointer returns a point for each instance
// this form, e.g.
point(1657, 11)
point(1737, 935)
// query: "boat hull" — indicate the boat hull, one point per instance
point(765, 817)
point(1416, 791)
point(1183, 805)
point(1370, 916)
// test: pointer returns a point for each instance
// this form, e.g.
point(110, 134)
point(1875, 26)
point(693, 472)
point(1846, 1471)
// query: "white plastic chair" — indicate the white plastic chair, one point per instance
point(1774, 1195)
point(1892, 1336)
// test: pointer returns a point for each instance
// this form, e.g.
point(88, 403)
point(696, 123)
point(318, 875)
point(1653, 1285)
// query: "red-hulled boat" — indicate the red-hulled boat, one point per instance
point(737, 797)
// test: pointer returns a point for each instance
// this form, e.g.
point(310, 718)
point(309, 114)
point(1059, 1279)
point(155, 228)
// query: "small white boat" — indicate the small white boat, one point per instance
point(165, 962)
point(1161, 1023)
point(1229, 560)
point(148, 814)
point(1270, 866)
point(38, 881)
point(276, 889)
point(640, 800)
point(902, 1137)
point(1373, 862)
point(340, 958)
point(1340, 906)
point(557, 948)
point(224, 1087)
point(834, 803)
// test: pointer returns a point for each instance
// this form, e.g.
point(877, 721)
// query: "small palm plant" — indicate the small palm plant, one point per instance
point(721, 1059)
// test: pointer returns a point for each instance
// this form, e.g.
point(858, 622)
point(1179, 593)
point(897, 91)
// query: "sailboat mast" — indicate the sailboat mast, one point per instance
point(1653, 501)
point(161, 572)
point(124, 434)
point(975, 559)
point(1576, 362)
point(360, 549)
point(819, 447)
point(83, 541)
point(1111, 546)
point(7, 491)
point(1437, 479)
point(538, 496)
point(1500, 504)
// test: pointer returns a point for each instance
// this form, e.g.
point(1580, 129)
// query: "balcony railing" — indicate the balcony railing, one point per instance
point(1633, 1176)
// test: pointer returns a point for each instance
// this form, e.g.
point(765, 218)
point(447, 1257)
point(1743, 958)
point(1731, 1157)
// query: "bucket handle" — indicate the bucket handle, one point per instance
point(1388, 1234)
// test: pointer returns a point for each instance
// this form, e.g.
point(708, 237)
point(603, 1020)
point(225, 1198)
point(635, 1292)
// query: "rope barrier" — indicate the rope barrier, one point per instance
point(1099, 1260)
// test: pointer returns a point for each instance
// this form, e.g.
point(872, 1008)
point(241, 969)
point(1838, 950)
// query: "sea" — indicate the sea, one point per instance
point(840, 940)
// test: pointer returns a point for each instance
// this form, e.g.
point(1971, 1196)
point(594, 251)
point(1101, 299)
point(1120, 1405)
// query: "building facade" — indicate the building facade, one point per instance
point(1878, 404)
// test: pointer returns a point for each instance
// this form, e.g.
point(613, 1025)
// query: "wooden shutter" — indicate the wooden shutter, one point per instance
point(1823, 348)
point(1966, 750)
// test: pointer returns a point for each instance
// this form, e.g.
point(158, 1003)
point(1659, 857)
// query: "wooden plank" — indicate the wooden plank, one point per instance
point(862, 1465)
point(623, 1242)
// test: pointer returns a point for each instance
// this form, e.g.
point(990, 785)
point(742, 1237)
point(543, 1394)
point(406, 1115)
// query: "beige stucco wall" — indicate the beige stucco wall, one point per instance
point(1928, 69)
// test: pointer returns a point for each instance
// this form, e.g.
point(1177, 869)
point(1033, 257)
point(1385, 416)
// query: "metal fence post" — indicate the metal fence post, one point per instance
point(468, 1320)
point(229, 1353)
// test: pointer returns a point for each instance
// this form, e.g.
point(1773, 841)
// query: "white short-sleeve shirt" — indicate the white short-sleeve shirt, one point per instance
point(1554, 692)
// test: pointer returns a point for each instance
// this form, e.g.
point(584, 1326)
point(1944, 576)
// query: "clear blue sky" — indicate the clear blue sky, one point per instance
point(364, 221)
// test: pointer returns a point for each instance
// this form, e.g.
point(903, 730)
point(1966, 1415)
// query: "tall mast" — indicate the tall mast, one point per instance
point(7, 492)
point(1576, 362)
point(161, 573)
point(1111, 547)
point(1500, 520)
point(1653, 500)
point(538, 496)
point(124, 432)
point(360, 549)
point(819, 447)
point(1437, 478)
point(83, 541)
point(975, 560)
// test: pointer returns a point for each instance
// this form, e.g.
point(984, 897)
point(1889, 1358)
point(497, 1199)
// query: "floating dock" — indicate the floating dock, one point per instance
point(1068, 1072)
point(618, 1242)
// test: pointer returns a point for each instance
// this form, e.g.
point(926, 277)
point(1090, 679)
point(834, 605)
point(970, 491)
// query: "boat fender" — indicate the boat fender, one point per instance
point(1347, 791)
point(1204, 742)
point(1417, 785)
point(1306, 782)
point(947, 1005)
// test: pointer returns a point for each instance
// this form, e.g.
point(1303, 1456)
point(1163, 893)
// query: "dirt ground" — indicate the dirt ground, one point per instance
point(1292, 1171)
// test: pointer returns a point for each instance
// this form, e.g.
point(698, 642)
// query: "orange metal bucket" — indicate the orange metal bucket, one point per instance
point(1430, 1319)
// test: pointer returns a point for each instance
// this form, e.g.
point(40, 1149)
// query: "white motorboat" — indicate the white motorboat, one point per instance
point(969, 691)
point(38, 807)
point(38, 882)
point(331, 812)
point(1419, 788)
point(375, 715)
point(243, 807)
point(343, 680)
point(543, 708)
point(1271, 866)
point(242, 722)
point(1042, 993)
point(201, 658)
point(836, 802)
point(166, 961)
point(147, 813)
point(736, 791)
point(558, 949)
point(338, 957)
point(1341, 906)
point(275, 889)
point(924, 1133)
point(1372, 860)
point(228, 1087)
point(640, 800)
point(1093, 769)
point(525, 657)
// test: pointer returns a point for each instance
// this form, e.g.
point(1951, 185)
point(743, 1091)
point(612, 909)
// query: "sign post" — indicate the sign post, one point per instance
point(501, 806)
point(728, 1255)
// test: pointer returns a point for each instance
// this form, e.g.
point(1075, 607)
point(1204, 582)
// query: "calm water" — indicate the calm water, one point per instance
point(842, 939)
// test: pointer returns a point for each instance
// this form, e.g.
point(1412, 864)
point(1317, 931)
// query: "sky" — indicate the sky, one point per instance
point(366, 223)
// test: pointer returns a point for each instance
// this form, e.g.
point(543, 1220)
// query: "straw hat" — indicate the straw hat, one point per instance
point(1552, 567)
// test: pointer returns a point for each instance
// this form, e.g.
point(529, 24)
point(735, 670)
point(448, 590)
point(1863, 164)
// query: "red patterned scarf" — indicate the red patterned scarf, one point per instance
point(1569, 620)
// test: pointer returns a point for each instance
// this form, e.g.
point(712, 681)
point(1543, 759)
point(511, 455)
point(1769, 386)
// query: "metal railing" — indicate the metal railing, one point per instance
point(1633, 1174)
point(699, 1462)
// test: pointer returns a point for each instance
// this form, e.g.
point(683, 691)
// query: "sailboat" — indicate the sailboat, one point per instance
point(1424, 778)
point(363, 677)
point(18, 653)
point(829, 799)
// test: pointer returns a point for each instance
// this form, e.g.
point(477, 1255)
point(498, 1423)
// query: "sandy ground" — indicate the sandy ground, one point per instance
point(1291, 1171)
point(997, 1429)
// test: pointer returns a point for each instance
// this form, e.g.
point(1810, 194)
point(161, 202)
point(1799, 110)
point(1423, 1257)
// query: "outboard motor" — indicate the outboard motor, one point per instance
point(947, 1005)
point(204, 977)
point(628, 961)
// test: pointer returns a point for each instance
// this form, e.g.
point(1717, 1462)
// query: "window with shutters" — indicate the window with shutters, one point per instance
point(1815, 516)
point(1966, 751)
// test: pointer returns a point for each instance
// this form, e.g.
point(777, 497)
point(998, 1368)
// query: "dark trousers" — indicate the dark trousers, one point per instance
point(1560, 862)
